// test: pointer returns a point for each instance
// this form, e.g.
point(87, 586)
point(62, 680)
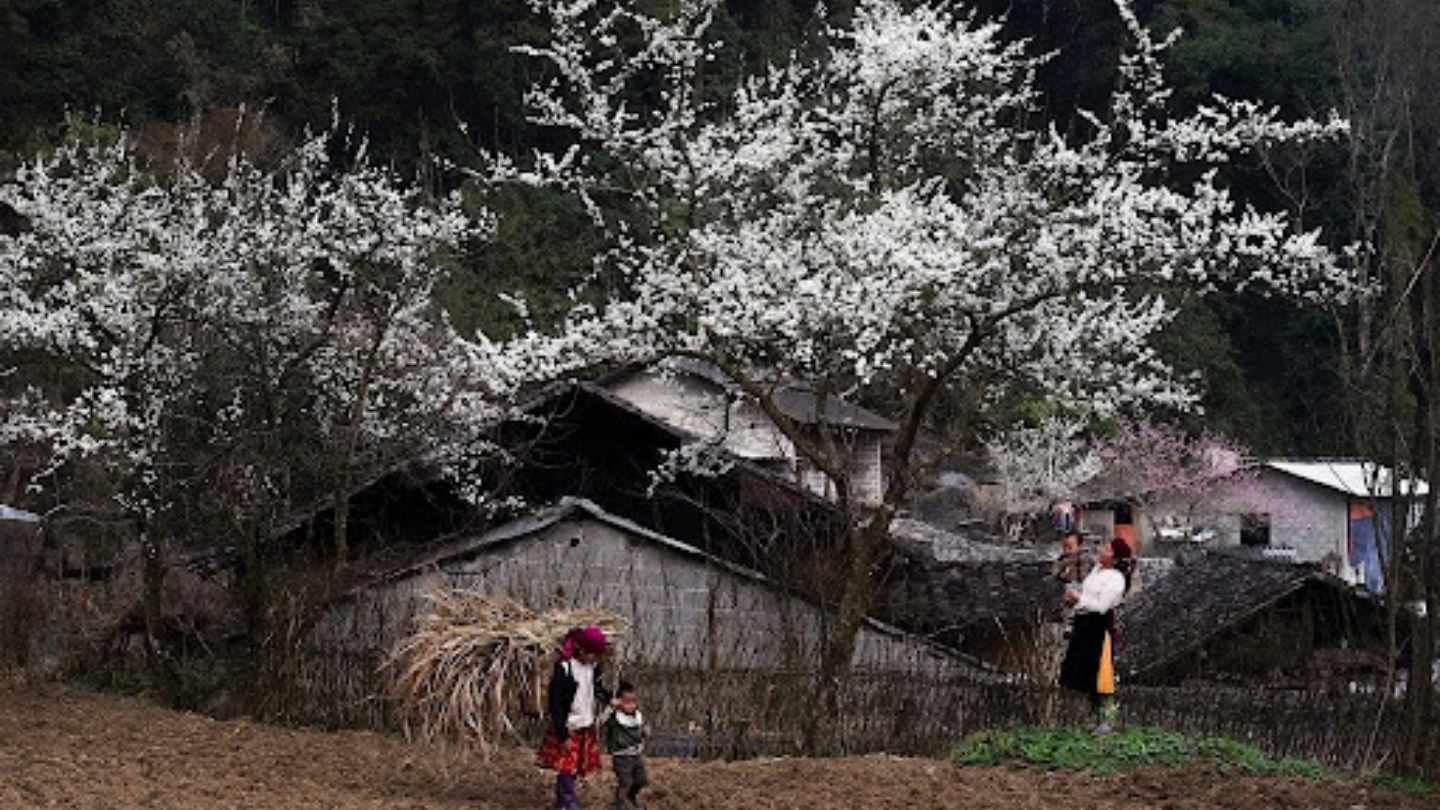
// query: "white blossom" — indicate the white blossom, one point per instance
point(887, 217)
point(166, 290)
point(703, 459)
point(1040, 464)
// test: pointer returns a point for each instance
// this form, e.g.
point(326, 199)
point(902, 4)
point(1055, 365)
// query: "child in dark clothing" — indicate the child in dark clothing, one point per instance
point(624, 736)
point(1072, 565)
point(1071, 568)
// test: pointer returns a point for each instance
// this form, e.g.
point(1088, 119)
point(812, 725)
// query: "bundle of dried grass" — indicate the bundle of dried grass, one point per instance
point(472, 660)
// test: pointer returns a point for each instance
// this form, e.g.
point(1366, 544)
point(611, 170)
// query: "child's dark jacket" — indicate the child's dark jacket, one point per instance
point(623, 733)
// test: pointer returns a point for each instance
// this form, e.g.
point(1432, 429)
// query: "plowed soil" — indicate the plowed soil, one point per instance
point(64, 748)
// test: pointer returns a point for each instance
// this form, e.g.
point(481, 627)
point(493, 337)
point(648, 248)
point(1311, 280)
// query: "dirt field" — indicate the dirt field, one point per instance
point(62, 748)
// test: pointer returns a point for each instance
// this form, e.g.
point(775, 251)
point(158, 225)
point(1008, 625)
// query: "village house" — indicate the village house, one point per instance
point(688, 609)
point(30, 544)
point(697, 565)
point(1333, 512)
point(1223, 615)
point(700, 594)
point(21, 544)
point(20, 533)
point(1237, 616)
point(699, 399)
point(996, 602)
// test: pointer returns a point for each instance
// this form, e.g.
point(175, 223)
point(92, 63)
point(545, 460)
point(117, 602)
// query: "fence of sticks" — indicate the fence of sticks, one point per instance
point(472, 673)
point(739, 714)
point(750, 712)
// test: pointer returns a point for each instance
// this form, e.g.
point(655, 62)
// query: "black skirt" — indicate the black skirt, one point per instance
point(1081, 669)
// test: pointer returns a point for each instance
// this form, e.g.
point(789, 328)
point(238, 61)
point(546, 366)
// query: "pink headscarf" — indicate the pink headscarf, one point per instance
point(590, 639)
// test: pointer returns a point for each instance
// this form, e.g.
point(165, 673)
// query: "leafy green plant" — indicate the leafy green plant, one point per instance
point(1141, 747)
point(1405, 784)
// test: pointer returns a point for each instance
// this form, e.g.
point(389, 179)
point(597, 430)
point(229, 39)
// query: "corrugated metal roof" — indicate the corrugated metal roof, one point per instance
point(1360, 478)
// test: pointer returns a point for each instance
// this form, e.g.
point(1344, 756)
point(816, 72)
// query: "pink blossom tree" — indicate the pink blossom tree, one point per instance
point(1188, 477)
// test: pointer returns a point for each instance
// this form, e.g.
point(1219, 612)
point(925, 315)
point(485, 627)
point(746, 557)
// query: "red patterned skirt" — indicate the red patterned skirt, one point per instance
point(578, 754)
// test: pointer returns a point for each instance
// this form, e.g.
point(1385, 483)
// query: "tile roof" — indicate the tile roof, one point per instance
point(1178, 605)
point(801, 404)
point(571, 507)
point(1200, 597)
point(948, 546)
point(945, 598)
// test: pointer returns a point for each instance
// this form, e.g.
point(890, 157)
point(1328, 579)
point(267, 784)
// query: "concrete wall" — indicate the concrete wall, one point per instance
point(1313, 520)
point(701, 407)
point(1098, 521)
point(686, 611)
point(1309, 518)
point(867, 477)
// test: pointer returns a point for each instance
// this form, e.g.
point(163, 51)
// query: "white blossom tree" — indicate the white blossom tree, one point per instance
point(207, 323)
point(886, 220)
point(1040, 464)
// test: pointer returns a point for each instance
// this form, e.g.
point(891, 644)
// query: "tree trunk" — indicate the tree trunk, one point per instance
point(157, 660)
point(1421, 693)
point(255, 603)
point(341, 508)
point(1391, 546)
point(346, 473)
point(271, 678)
point(857, 594)
point(1432, 634)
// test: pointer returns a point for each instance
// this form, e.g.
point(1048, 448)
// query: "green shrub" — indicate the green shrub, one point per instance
point(1404, 784)
point(1139, 747)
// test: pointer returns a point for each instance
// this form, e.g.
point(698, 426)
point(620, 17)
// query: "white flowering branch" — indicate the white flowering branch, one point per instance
point(211, 320)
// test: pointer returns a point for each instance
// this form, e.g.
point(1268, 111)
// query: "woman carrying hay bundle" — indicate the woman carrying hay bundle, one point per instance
point(1089, 665)
point(571, 746)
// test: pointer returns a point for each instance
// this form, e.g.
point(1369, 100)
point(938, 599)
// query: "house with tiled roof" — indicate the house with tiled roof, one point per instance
point(1239, 615)
point(999, 603)
point(686, 607)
